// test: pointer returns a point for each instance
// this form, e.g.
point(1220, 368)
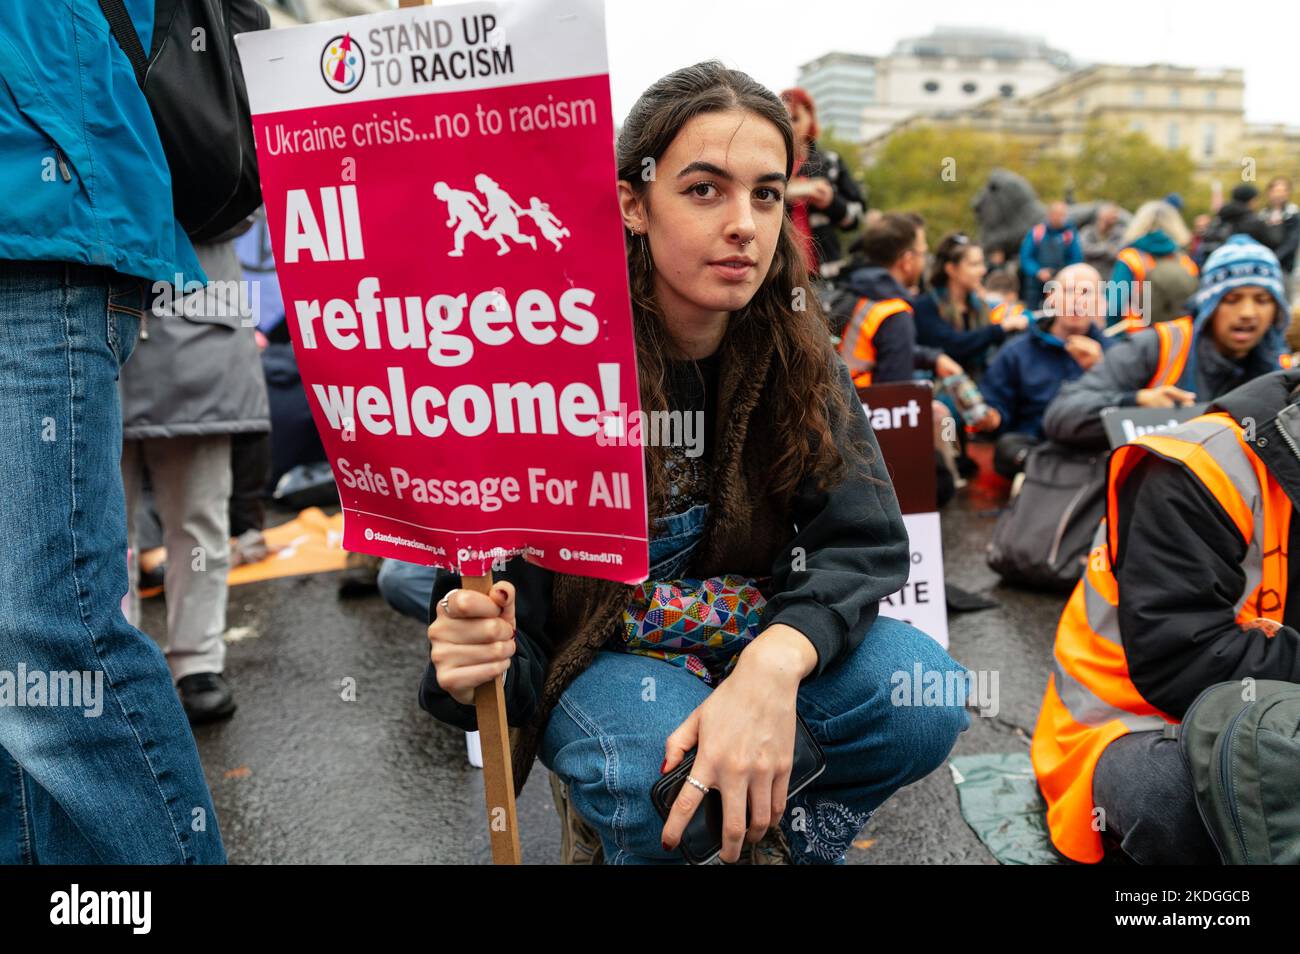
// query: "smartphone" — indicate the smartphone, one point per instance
point(702, 840)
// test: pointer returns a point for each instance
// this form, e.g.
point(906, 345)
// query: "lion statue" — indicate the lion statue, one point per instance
point(1008, 207)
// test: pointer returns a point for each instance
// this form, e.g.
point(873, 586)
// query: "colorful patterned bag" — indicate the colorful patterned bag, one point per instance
point(700, 625)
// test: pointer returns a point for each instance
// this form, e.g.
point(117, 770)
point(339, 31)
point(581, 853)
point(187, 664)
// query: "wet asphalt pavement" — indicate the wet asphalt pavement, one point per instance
point(301, 774)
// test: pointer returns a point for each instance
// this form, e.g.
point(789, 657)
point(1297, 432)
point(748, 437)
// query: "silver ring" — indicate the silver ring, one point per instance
point(698, 784)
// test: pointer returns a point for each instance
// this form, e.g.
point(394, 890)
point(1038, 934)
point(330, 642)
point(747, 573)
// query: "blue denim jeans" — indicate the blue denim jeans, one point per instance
point(111, 773)
point(407, 587)
point(677, 536)
point(607, 742)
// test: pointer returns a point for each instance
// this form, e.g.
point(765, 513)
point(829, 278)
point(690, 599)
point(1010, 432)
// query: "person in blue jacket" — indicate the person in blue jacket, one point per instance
point(1047, 248)
point(97, 762)
point(1025, 375)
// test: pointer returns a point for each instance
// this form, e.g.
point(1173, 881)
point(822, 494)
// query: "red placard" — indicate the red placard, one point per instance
point(440, 191)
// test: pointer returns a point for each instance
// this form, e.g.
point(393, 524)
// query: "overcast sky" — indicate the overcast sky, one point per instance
point(768, 40)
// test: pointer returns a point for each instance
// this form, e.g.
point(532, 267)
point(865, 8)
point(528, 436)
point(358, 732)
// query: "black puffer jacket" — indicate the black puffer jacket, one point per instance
point(1179, 567)
point(845, 212)
point(1236, 218)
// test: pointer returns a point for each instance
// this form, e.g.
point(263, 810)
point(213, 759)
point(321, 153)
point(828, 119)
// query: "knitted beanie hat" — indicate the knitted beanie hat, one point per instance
point(1237, 262)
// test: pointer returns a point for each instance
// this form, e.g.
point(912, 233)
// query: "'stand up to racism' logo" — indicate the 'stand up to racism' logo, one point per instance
point(342, 64)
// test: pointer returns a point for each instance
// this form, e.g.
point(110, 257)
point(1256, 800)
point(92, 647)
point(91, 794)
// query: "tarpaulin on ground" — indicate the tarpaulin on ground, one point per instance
point(311, 542)
point(1000, 801)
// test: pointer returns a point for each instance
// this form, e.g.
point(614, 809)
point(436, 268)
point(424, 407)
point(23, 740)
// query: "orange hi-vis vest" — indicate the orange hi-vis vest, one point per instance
point(1090, 700)
point(857, 344)
point(1176, 346)
point(1139, 264)
point(1004, 311)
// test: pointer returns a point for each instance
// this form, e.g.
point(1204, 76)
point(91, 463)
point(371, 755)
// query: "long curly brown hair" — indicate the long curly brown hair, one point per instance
point(803, 393)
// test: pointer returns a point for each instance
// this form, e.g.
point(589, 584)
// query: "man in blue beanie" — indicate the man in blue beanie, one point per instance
point(1233, 336)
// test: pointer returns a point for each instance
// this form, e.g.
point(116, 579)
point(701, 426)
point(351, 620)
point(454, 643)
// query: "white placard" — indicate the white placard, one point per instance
point(921, 600)
point(425, 49)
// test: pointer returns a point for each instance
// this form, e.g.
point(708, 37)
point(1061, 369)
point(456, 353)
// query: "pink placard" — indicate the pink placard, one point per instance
point(450, 250)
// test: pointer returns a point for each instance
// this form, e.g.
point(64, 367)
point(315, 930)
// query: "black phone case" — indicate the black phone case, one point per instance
point(702, 840)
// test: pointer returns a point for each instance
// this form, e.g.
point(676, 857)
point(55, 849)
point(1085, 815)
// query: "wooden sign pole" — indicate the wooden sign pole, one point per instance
point(494, 732)
point(494, 740)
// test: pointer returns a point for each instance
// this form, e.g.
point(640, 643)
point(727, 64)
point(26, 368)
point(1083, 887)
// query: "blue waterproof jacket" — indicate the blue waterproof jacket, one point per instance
point(1026, 374)
point(83, 177)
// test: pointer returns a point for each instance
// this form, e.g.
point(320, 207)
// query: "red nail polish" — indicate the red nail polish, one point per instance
point(665, 846)
point(663, 768)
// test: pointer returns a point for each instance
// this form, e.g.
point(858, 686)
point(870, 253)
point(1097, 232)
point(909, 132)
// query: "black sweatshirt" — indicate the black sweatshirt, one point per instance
point(855, 553)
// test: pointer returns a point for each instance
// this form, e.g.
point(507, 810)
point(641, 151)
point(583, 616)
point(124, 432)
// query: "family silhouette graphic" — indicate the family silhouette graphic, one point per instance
point(495, 217)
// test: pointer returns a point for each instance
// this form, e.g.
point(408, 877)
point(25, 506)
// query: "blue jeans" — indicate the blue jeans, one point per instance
point(607, 743)
point(677, 536)
point(111, 773)
point(407, 587)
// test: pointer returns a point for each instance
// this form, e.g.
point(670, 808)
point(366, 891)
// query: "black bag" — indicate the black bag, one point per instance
point(1043, 537)
point(1241, 743)
point(195, 87)
point(838, 303)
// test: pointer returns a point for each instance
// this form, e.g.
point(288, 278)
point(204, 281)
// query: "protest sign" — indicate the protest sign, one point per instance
point(903, 421)
point(1124, 424)
point(440, 192)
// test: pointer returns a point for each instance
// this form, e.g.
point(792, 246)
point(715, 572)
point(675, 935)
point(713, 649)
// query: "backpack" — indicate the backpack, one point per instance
point(1040, 232)
point(1171, 286)
point(838, 302)
point(193, 82)
point(1244, 758)
point(1043, 537)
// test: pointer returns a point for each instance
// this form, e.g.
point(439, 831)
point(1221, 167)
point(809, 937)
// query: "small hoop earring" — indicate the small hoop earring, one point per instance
point(645, 247)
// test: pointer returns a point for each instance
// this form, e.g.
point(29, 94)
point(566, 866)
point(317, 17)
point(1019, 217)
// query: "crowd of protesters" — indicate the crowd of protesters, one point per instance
point(132, 476)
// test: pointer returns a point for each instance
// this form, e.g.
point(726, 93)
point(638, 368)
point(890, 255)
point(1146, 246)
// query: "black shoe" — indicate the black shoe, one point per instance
point(150, 582)
point(360, 575)
point(206, 697)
